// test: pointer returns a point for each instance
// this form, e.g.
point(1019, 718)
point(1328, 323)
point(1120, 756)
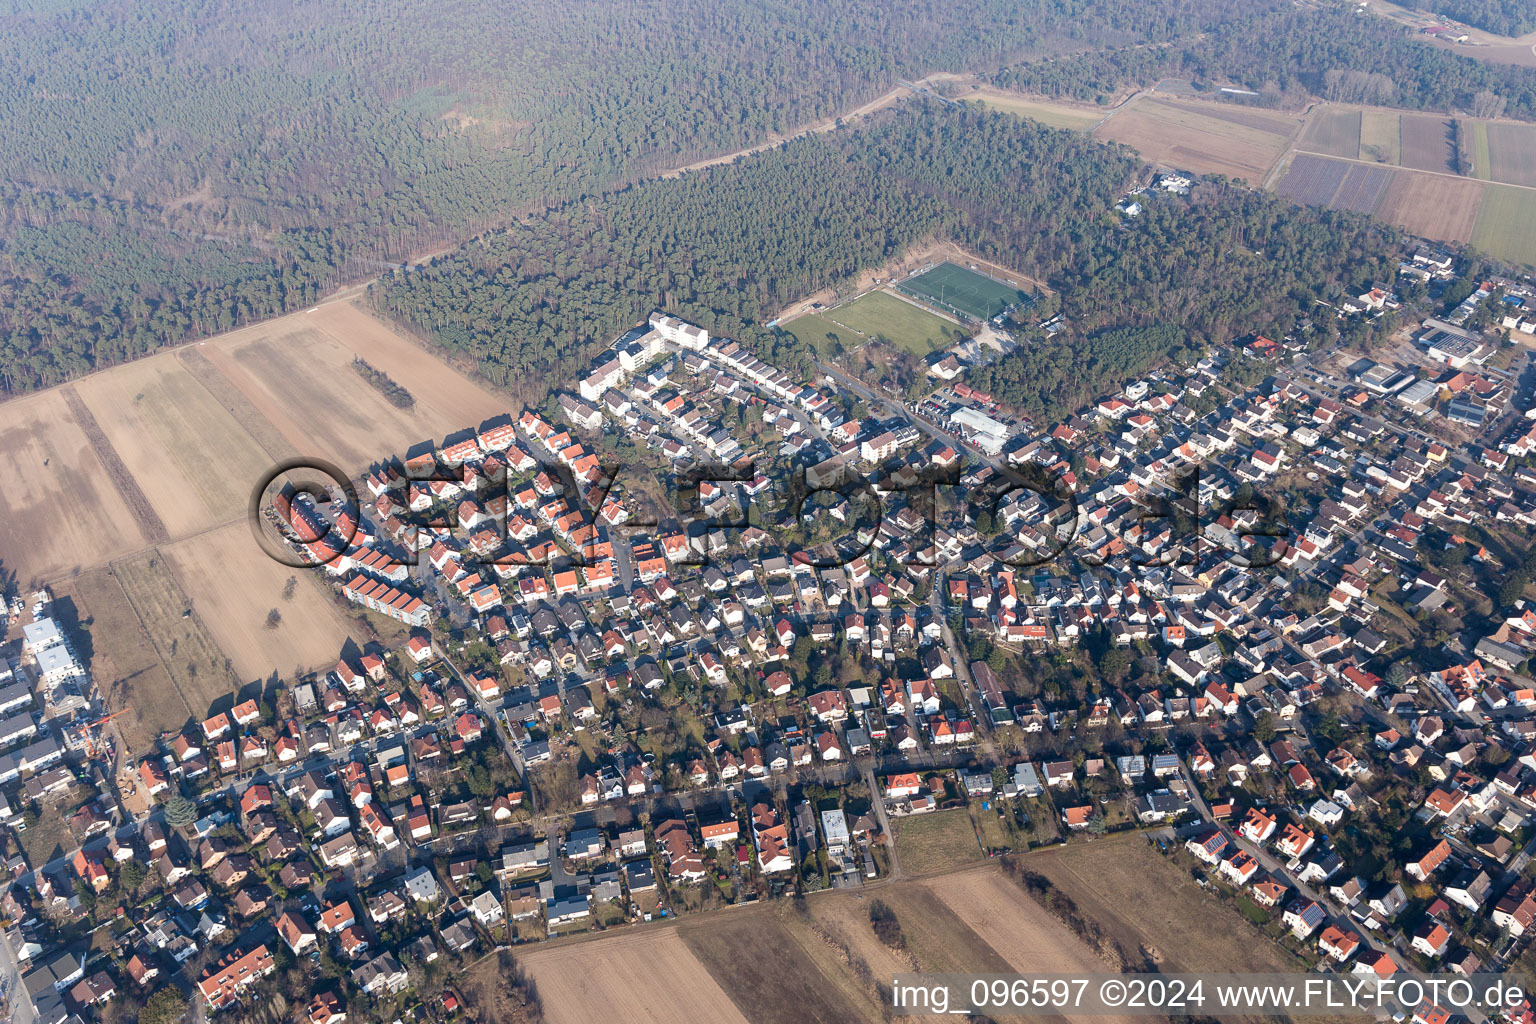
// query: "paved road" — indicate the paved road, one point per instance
point(892, 408)
point(22, 1010)
point(878, 800)
point(1273, 865)
point(960, 657)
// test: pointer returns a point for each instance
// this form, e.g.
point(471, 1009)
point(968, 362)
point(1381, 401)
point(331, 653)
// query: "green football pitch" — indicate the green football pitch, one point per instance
point(949, 286)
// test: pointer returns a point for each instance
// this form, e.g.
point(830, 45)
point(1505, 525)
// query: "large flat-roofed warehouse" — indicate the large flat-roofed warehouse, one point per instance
point(1384, 379)
point(981, 430)
point(1450, 344)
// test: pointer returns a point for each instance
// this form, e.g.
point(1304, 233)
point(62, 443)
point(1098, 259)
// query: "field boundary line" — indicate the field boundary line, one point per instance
point(1282, 164)
point(827, 316)
point(240, 415)
point(1418, 170)
point(1132, 98)
point(1283, 158)
point(123, 480)
point(909, 300)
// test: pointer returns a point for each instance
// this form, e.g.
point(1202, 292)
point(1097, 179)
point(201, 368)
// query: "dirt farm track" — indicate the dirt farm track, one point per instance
point(152, 463)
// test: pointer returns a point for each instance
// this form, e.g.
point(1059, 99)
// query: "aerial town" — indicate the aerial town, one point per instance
point(1301, 673)
point(820, 512)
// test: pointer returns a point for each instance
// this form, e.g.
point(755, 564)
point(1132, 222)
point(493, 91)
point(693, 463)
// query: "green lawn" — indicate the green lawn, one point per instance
point(937, 841)
point(881, 316)
point(953, 287)
point(813, 329)
point(609, 914)
point(1251, 910)
point(990, 827)
point(1482, 160)
point(1506, 224)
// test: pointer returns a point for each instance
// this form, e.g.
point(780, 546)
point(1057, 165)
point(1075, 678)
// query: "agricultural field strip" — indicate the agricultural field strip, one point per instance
point(1195, 138)
point(937, 936)
point(1382, 204)
point(154, 643)
point(1242, 116)
point(1503, 152)
point(1511, 153)
point(1312, 179)
point(195, 662)
point(236, 602)
point(1380, 134)
point(1433, 206)
point(777, 982)
point(1334, 132)
point(447, 398)
point(1363, 189)
point(1426, 143)
point(1412, 170)
point(1049, 112)
point(192, 458)
point(219, 387)
point(1168, 922)
point(1020, 930)
point(124, 662)
point(1498, 217)
point(58, 510)
point(1506, 223)
point(127, 487)
point(1482, 158)
point(223, 361)
point(650, 977)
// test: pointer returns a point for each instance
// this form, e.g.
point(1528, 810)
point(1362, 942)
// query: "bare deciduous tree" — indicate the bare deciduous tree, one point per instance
point(1488, 104)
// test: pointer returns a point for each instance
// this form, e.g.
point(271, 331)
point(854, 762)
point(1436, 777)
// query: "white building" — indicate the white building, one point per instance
point(981, 430)
point(835, 827)
point(679, 332)
point(1450, 344)
point(55, 661)
point(487, 909)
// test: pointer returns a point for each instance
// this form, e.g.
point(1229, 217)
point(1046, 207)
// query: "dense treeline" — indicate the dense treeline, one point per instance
point(1220, 264)
point(1066, 372)
point(1275, 52)
point(1095, 76)
point(169, 169)
point(733, 246)
point(86, 282)
point(728, 247)
point(384, 384)
point(1031, 196)
point(324, 107)
point(1501, 17)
